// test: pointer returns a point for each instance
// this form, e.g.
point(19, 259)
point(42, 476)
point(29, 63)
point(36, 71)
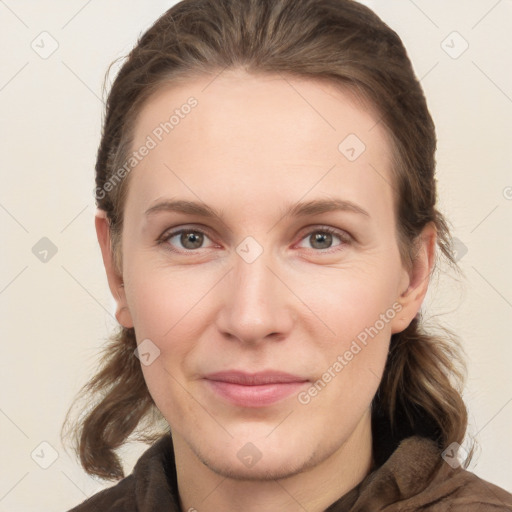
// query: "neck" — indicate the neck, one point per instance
point(312, 489)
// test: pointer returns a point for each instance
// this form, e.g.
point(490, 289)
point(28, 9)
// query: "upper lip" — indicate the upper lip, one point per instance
point(254, 379)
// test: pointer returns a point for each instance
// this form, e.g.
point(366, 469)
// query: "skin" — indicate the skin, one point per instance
point(295, 308)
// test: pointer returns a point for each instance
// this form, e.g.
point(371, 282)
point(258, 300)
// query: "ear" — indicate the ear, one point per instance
point(415, 282)
point(115, 280)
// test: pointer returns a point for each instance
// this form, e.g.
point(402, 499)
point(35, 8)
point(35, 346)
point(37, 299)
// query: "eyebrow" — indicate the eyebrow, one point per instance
point(300, 209)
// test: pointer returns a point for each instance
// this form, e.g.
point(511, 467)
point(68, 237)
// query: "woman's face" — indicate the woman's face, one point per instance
point(297, 271)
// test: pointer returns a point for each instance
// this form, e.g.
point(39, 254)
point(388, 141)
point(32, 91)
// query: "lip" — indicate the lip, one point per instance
point(254, 389)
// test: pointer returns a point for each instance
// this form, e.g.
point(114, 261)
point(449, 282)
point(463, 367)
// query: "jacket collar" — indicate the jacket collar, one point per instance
point(406, 472)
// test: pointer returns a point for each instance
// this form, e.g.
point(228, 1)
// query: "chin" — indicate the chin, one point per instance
point(260, 456)
point(274, 467)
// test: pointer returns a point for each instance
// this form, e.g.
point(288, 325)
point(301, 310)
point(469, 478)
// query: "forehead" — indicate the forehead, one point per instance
point(259, 136)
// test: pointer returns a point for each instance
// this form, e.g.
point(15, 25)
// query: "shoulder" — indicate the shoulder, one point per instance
point(151, 484)
point(120, 497)
point(416, 477)
point(466, 492)
point(452, 489)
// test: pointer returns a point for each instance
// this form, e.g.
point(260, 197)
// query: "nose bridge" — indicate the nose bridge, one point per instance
point(254, 304)
point(253, 281)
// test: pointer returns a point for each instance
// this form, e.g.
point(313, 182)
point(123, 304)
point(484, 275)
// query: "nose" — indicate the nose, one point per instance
point(255, 303)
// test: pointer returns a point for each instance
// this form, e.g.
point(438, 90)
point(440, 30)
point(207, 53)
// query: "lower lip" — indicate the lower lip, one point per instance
point(254, 396)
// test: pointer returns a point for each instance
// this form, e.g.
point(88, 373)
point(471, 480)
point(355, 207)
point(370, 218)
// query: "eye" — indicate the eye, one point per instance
point(190, 239)
point(186, 239)
point(321, 239)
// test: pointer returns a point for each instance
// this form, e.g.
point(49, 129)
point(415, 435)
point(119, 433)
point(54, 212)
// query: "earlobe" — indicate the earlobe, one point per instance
point(115, 280)
point(413, 294)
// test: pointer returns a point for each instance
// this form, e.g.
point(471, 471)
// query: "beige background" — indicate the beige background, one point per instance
point(55, 315)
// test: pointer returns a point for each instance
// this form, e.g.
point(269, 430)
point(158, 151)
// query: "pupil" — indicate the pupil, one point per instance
point(322, 238)
point(191, 240)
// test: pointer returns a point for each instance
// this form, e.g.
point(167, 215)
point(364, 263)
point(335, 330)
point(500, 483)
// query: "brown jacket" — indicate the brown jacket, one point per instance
point(414, 478)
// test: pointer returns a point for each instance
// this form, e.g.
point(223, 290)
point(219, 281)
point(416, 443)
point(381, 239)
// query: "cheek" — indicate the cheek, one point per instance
point(168, 311)
point(177, 310)
point(171, 307)
point(159, 295)
point(336, 303)
point(330, 306)
point(349, 301)
point(360, 312)
point(358, 308)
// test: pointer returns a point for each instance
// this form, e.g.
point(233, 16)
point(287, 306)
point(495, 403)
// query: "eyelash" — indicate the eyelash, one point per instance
point(344, 237)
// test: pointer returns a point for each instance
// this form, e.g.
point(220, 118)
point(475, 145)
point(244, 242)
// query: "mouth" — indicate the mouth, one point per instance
point(254, 389)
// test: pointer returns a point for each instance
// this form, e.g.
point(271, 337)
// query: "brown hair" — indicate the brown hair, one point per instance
point(336, 40)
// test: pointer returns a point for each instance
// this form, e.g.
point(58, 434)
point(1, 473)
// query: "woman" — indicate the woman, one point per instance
point(268, 224)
